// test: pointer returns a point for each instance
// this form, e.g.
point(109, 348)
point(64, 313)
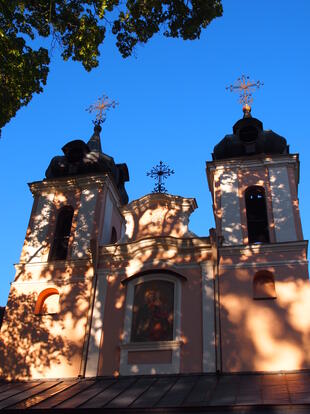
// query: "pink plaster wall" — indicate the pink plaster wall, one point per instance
point(191, 326)
point(268, 334)
point(191, 322)
point(112, 327)
point(44, 346)
point(149, 357)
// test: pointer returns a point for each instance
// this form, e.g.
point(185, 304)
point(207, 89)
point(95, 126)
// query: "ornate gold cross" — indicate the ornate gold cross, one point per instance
point(245, 87)
point(101, 107)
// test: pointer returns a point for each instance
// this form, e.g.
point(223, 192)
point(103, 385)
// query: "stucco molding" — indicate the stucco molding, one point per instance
point(73, 183)
point(265, 264)
point(168, 200)
point(152, 346)
point(124, 251)
point(248, 250)
point(282, 160)
point(152, 266)
point(56, 264)
point(58, 281)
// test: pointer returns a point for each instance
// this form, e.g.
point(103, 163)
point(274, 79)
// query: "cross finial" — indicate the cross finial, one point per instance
point(101, 106)
point(160, 172)
point(245, 87)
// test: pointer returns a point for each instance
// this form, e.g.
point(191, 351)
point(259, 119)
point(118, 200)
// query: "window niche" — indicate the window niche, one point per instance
point(59, 248)
point(47, 302)
point(256, 213)
point(264, 285)
point(152, 325)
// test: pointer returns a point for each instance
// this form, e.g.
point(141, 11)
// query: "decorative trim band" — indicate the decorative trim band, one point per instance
point(66, 281)
point(265, 264)
point(57, 264)
point(246, 163)
point(151, 346)
point(262, 248)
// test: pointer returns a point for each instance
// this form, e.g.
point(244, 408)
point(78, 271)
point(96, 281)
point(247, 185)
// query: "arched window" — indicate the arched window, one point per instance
point(48, 302)
point(256, 213)
point(59, 247)
point(113, 238)
point(263, 285)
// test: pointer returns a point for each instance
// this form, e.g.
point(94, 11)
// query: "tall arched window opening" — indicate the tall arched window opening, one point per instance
point(256, 213)
point(59, 247)
point(113, 238)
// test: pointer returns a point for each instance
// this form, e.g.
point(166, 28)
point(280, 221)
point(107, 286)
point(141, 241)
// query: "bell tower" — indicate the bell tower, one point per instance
point(262, 273)
point(254, 181)
point(51, 300)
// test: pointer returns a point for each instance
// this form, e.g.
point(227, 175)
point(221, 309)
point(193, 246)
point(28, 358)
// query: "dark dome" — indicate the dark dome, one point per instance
point(81, 158)
point(249, 138)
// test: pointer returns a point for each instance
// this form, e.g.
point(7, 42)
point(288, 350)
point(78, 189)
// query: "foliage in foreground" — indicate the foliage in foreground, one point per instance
point(79, 27)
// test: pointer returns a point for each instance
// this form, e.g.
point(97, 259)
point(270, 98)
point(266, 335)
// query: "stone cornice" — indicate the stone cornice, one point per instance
point(120, 252)
point(263, 248)
point(52, 282)
point(264, 265)
point(71, 183)
point(164, 199)
point(252, 162)
point(56, 264)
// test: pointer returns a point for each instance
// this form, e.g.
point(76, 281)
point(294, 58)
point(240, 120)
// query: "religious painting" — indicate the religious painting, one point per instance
point(152, 318)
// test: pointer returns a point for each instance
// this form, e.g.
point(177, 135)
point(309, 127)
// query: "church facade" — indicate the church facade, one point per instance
point(110, 288)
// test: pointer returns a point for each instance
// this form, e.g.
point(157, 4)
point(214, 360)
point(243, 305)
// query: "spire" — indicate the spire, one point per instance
point(94, 143)
point(100, 107)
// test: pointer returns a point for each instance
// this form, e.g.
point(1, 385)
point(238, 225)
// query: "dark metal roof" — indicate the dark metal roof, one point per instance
point(81, 158)
point(252, 393)
point(249, 138)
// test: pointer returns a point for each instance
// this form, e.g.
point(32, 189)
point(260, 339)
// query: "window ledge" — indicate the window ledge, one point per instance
point(152, 346)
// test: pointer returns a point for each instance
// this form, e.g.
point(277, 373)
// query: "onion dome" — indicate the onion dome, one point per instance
point(81, 158)
point(249, 138)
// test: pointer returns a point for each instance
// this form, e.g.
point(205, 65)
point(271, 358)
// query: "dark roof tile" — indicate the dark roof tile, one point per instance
point(179, 392)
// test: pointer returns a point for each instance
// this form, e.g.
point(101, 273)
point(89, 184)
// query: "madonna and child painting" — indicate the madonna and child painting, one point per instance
point(153, 311)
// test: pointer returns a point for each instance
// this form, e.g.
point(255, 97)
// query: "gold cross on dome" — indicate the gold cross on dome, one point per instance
point(101, 107)
point(245, 87)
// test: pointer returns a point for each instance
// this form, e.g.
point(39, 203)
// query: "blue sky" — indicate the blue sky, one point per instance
point(173, 106)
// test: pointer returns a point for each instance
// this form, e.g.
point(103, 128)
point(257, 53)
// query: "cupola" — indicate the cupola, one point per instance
point(81, 158)
point(249, 138)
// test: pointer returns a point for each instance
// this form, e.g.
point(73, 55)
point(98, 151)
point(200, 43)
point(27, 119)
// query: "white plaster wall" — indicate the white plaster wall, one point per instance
point(85, 222)
point(96, 326)
point(208, 317)
point(230, 209)
point(283, 215)
point(36, 239)
point(106, 230)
